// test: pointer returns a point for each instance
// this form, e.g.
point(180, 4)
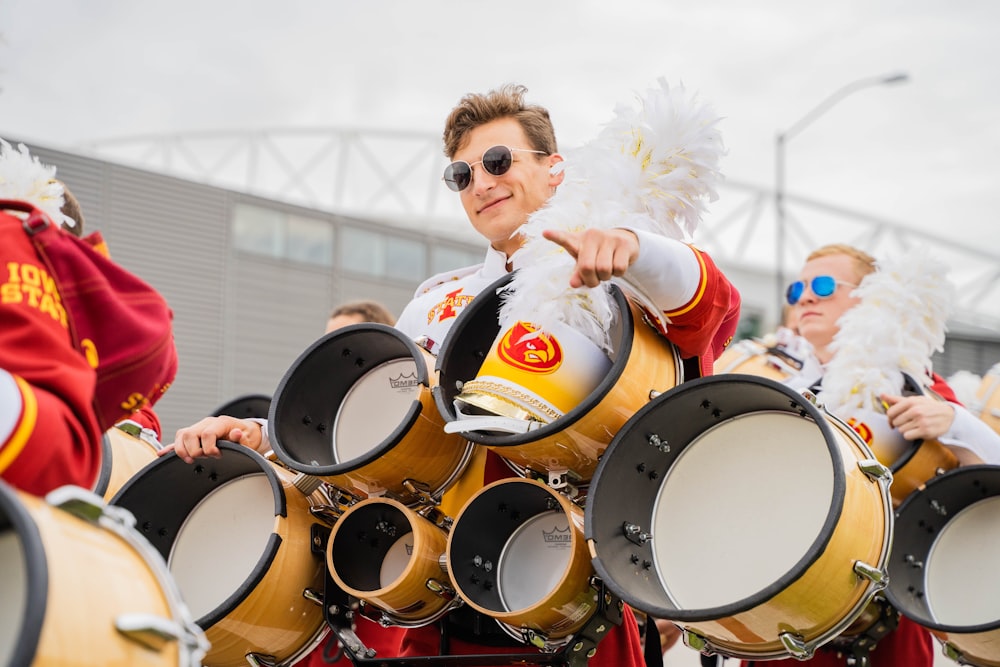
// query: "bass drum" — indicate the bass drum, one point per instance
point(356, 410)
point(756, 522)
point(943, 572)
point(517, 553)
point(238, 537)
point(568, 448)
point(80, 586)
point(123, 455)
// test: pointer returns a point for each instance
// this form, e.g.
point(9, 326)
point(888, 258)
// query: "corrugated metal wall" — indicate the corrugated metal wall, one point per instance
point(240, 320)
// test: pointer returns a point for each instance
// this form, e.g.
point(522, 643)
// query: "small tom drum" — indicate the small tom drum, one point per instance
point(516, 553)
point(356, 410)
point(384, 553)
point(734, 507)
point(569, 447)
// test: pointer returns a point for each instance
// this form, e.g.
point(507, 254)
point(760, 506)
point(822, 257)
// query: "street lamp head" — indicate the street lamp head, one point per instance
point(899, 77)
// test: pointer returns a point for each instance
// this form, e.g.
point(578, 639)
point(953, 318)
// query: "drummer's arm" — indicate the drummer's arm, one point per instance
point(201, 439)
point(701, 305)
point(923, 417)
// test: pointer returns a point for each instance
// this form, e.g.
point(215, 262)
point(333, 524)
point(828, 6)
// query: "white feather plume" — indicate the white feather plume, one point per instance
point(651, 168)
point(965, 384)
point(895, 329)
point(24, 178)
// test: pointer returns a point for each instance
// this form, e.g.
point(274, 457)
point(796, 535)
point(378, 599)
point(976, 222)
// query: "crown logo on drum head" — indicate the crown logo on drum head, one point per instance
point(527, 349)
point(557, 535)
point(403, 381)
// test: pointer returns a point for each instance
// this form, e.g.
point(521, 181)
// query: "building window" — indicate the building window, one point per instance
point(405, 259)
point(444, 258)
point(377, 254)
point(277, 234)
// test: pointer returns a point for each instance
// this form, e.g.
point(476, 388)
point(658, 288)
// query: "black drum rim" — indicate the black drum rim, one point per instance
point(143, 496)
point(911, 517)
point(37, 574)
point(694, 389)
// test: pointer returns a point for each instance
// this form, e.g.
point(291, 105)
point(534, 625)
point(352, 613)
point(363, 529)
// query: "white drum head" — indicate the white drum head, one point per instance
point(13, 593)
point(373, 408)
point(221, 541)
point(962, 583)
point(534, 560)
point(740, 507)
point(396, 560)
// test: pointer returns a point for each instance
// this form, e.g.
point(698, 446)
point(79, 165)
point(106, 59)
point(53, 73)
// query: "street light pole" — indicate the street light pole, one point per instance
point(780, 142)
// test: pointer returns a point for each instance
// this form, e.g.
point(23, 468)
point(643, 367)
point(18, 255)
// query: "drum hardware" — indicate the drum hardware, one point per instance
point(878, 620)
point(741, 429)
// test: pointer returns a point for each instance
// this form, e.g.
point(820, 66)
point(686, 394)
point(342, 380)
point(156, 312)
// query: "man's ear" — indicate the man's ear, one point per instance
point(556, 174)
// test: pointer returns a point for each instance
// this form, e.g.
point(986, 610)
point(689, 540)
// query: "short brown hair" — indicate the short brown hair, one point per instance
point(371, 311)
point(863, 262)
point(477, 109)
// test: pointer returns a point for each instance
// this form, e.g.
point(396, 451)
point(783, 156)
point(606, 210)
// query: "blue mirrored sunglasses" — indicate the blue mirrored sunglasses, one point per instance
point(821, 286)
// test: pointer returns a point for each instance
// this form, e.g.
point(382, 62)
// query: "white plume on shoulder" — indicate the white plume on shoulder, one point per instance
point(24, 178)
point(651, 168)
point(965, 384)
point(895, 329)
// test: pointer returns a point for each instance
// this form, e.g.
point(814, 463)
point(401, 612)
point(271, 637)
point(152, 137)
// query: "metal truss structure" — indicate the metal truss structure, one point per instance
point(394, 177)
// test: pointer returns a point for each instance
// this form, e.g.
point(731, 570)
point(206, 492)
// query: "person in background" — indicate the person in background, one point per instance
point(356, 312)
point(819, 300)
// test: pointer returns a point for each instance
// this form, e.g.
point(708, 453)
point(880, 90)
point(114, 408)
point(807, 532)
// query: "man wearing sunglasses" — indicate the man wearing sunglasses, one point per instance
point(818, 301)
point(505, 166)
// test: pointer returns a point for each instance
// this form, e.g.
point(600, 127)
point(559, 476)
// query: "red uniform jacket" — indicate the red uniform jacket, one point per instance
point(49, 434)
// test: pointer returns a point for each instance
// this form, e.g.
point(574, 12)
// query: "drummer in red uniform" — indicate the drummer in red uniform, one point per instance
point(506, 165)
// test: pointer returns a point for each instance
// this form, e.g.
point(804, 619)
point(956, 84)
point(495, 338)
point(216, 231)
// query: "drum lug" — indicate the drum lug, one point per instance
point(420, 491)
point(437, 517)
point(441, 590)
point(261, 660)
point(313, 596)
point(635, 534)
point(875, 470)
point(153, 632)
point(879, 577)
point(953, 653)
point(696, 642)
point(795, 646)
point(88, 506)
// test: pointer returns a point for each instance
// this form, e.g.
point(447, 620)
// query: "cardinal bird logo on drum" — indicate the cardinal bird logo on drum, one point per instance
point(526, 348)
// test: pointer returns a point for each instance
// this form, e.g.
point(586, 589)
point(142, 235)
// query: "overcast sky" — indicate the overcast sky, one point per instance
point(925, 153)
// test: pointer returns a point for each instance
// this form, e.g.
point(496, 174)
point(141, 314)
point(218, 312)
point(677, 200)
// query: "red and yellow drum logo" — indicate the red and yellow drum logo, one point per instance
point(862, 429)
point(527, 349)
